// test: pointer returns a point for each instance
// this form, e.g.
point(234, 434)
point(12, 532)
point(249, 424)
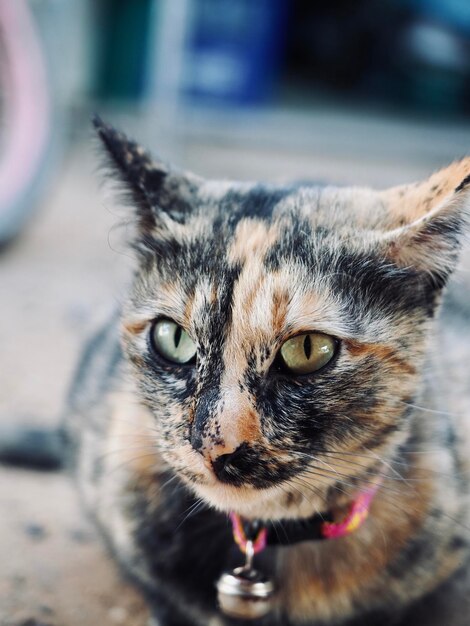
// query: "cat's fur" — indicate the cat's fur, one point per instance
point(243, 267)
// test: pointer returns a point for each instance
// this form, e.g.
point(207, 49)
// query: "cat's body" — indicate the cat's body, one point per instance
point(244, 268)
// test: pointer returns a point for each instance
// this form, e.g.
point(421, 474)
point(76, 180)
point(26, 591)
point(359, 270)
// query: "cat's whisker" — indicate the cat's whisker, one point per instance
point(275, 524)
point(392, 498)
point(130, 461)
point(398, 504)
point(151, 447)
point(342, 479)
point(386, 463)
point(334, 472)
point(136, 425)
point(169, 481)
point(285, 488)
point(369, 471)
point(191, 511)
point(350, 463)
point(392, 462)
point(396, 499)
point(148, 448)
point(425, 409)
point(313, 488)
point(320, 477)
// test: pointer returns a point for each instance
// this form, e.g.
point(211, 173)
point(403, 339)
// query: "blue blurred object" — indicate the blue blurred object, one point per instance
point(234, 49)
point(455, 13)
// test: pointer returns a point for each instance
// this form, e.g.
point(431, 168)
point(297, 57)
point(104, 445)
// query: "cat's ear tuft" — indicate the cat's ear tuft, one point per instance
point(429, 221)
point(156, 190)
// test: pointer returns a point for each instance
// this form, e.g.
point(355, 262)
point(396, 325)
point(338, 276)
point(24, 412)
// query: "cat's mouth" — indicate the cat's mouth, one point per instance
point(278, 498)
point(283, 491)
point(270, 503)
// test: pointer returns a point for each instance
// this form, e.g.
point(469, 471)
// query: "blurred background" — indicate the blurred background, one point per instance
point(372, 92)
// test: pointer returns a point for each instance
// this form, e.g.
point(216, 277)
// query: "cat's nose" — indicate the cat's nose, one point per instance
point(218, 455)
point(228, 467)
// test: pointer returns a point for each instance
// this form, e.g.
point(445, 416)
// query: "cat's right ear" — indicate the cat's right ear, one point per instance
point(429, 221)
point(160, 195)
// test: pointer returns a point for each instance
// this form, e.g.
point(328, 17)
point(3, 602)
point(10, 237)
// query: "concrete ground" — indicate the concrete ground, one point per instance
point(69, 267)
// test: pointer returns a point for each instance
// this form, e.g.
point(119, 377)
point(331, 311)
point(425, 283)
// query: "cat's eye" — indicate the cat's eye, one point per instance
point(307, 353)
point(172, 342)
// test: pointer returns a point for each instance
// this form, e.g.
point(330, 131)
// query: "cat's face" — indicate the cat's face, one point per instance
point(278, 335)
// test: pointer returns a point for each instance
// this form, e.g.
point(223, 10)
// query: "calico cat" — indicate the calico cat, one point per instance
point(284, 357)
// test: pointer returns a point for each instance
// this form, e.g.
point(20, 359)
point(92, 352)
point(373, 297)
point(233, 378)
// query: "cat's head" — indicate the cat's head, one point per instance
point(278, 334)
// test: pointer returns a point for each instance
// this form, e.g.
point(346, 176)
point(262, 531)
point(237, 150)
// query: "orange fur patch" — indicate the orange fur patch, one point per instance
point(252, 236)
point(134, 327)
point(249, 426)
point(280, 304)
point(407, 203)
point(382, 352)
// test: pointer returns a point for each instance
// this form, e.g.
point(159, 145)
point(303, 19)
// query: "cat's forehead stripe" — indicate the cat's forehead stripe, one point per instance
point(267, 308)
point(251, 237)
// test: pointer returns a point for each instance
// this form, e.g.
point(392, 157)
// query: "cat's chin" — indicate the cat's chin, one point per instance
point(271, 503)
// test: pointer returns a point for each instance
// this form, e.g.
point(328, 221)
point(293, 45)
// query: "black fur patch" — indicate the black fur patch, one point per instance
point(463, 184)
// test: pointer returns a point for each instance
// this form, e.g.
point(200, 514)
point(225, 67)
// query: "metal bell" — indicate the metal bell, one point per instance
point(245, 593)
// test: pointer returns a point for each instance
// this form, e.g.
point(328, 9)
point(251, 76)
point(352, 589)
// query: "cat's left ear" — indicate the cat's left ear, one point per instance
point(159, 194)
point(428, 221)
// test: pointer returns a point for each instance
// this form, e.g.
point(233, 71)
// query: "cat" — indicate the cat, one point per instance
point(283, 353)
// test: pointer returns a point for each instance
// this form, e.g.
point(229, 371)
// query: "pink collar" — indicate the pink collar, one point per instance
point(262, 534)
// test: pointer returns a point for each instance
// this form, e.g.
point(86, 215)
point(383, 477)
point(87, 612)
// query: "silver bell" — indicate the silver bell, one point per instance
point(245, 593)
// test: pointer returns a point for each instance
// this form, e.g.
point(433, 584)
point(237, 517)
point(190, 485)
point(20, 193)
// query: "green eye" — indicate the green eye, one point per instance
point(307, 353)
point(172, 342)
